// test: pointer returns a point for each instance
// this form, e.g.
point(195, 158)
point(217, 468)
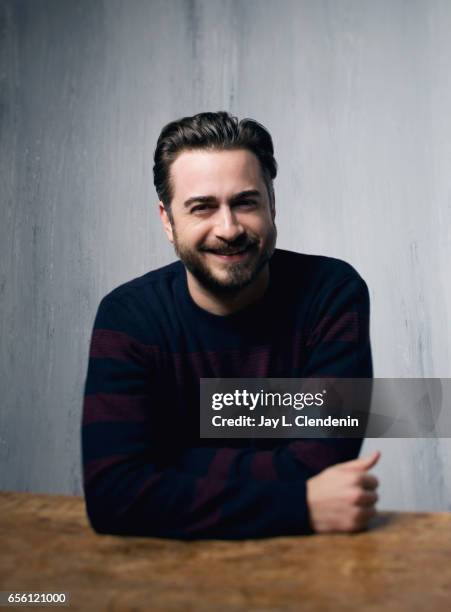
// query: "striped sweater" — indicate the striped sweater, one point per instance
point(146, 471)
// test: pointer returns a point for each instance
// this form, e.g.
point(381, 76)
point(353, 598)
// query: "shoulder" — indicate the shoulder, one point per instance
point(313, 270)
point(137, 302)
point(153, 282)
point(318, 284)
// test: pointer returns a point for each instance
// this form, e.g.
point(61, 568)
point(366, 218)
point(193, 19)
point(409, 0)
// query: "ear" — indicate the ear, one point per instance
point(167, 226)
point(273, 209)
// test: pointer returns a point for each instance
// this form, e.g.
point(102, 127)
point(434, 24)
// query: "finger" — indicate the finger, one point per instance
point(359, 518)
point(368, 481)
point(366, 499)
point(362, 518)
point(362, 463)
point(365, 515)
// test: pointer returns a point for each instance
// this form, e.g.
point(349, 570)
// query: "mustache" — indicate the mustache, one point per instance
point(237, 246)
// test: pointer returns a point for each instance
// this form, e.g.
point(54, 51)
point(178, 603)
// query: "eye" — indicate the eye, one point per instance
point(200, 208)
point(246, 203)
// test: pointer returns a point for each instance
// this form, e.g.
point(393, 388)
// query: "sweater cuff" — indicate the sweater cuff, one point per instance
point(291, 508)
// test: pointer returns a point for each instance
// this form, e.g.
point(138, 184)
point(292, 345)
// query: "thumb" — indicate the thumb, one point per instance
point(363, 463)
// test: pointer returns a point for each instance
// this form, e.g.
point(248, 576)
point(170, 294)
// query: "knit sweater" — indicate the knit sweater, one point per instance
point(146, 471)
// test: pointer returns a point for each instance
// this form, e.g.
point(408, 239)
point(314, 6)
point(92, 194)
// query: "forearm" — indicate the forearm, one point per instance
point(135, 497)
point(297, 459)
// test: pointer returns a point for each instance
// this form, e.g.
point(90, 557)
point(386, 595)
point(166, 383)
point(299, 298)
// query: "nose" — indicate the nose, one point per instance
point(228, 226)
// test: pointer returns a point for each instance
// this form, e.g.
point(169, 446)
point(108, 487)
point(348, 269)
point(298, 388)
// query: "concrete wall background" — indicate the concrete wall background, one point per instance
point(356, 94)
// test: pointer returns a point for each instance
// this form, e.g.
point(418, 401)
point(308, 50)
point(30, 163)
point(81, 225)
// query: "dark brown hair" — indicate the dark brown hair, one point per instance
point(220, 131)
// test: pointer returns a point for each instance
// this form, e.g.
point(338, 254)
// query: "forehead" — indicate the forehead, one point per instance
point(207, 172)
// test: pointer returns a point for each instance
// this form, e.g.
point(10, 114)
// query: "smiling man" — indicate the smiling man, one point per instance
point(232, 306)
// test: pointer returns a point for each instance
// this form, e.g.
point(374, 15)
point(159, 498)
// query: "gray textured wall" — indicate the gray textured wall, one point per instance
point(356, 94)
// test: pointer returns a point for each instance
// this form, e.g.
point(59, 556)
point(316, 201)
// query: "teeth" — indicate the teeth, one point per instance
point(236, 252)
point(229, 254)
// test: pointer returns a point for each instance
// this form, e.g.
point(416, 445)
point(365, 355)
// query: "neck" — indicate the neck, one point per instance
point(228, 304)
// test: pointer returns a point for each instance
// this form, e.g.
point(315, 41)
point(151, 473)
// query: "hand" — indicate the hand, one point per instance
point(342, 497)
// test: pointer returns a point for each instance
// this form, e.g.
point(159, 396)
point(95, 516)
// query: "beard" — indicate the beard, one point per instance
point(238, 274)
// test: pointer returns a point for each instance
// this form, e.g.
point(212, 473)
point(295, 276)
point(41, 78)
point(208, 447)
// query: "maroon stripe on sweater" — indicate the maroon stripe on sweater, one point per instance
point(254, 363)
point(207, 489)
point(344, 329)
point(218, 472)
point(297, 347)
point(148, 484)
point(315, 455)
point(110, 344)
point(206, 522)
point(212, 485)
point(251, 364)
point(221, 464)
point(106, 407)
point(95, 467)
point(262, 466)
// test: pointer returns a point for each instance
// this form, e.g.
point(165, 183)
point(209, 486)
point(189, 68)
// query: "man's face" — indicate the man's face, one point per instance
point(222, 225)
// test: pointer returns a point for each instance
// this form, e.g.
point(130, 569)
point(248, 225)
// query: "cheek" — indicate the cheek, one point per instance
point(192, 234)
point(263, 226)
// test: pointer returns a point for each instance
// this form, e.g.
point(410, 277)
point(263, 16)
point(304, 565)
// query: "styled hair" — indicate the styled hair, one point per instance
point(215, 131)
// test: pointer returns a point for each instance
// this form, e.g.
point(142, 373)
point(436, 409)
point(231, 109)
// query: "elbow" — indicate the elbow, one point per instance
point(107, 517)
point(99, 520)
point(101, 516)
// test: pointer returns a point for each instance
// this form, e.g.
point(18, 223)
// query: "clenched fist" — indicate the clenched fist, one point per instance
point(343, 497)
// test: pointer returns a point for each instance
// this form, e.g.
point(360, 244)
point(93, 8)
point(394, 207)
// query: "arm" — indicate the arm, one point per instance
point(130, 489)
point(338, 346)
point(341, 497)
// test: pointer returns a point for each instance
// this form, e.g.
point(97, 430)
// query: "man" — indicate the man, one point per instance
point(233, 306)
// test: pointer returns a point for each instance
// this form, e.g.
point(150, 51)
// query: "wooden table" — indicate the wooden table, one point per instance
point(402, 563)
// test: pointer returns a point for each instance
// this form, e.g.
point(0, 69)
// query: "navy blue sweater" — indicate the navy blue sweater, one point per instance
point(146, 470)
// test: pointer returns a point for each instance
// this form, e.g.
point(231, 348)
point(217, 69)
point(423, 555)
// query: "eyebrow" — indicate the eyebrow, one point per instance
point(209, 198)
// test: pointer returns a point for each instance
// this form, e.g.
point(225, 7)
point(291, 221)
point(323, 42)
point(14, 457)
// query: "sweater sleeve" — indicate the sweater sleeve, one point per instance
point(337, 346)
point(130, 489)
point(338, 340)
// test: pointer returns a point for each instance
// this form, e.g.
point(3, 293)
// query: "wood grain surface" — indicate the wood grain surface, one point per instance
point(401, 563)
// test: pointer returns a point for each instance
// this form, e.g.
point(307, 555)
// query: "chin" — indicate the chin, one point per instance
point(229, 283)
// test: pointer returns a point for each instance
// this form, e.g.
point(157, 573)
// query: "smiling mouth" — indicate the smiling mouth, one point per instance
point(234, 255)
point(236, 251)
